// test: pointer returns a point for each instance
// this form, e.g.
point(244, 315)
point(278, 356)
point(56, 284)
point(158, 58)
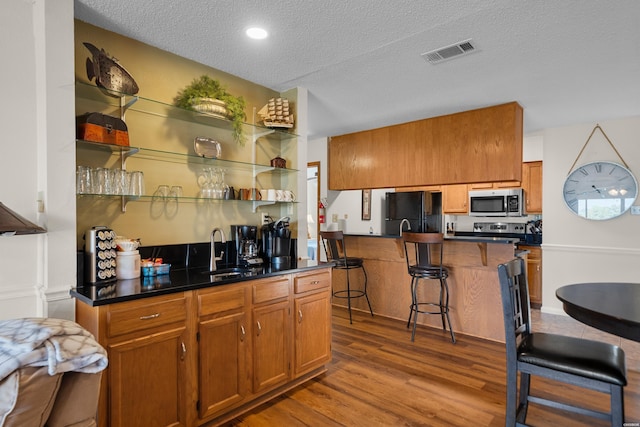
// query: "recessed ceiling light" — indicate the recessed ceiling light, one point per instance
point(257, 33)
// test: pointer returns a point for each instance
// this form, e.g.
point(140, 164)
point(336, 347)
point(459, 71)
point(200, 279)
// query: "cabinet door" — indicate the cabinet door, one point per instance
point(532, 184)
point(271, 345)
point(147, 380)
point(312, 331)
point(534, 275)
point(454, 198)
point(223, 368)
point(223, 348)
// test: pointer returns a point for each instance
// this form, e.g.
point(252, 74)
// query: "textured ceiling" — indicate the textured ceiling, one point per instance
point(564, 61)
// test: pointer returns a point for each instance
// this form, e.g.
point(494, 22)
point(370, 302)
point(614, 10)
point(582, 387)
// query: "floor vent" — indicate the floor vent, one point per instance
point(442, 54)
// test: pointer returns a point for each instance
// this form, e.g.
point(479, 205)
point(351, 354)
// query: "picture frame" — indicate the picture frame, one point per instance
point(366, 205)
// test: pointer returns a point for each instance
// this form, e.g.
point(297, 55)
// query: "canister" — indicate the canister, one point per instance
point(128, 265)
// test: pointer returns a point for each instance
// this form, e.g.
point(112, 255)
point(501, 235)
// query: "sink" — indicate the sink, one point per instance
point(228, 273)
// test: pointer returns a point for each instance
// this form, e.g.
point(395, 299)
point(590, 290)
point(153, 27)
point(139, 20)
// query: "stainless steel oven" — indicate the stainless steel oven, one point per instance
point(498, 203)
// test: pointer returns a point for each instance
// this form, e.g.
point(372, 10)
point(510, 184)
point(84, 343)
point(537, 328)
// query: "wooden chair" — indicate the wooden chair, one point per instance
point(336, 252)
point(585, 363)
point(423, 252)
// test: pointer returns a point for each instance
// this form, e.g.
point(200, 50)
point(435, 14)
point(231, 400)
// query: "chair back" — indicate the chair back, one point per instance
point(423, 253)
point(514, 292)
point(334, 247)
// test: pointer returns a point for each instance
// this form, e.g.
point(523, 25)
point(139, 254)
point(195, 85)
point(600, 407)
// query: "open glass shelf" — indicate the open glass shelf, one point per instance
point(162, 109)
point(124, 199)
point(180, 158)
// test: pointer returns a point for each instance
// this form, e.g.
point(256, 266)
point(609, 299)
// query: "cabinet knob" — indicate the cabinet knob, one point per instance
point(242, 333)
point(259, 327)
point(184, 351)
point(299, 316)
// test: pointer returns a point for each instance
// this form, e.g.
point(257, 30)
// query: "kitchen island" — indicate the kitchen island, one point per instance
point(192, 348)
point(475, 307)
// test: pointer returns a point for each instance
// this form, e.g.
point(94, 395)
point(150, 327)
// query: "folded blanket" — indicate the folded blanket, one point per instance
point(59, 344)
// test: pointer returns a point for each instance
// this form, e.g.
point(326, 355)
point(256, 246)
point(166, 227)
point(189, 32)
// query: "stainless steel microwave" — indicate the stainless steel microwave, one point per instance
point(503, 202)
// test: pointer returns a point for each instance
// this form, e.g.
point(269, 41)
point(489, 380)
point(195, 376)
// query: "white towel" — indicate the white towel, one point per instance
point(59, 344)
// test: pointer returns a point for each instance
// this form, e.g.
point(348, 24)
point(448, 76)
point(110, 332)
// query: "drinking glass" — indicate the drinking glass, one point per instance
point(120, 182)
point(136, 185)
point(205, 182)
point(162, 191)
point(102, 183)
point(84, 179)
point(176, 191)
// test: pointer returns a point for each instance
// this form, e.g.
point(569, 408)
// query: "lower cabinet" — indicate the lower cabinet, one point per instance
point(271, 332)
point(224, 373)
point(148, 347)
point(312, 321)
point(206, 356)
point(534, 274)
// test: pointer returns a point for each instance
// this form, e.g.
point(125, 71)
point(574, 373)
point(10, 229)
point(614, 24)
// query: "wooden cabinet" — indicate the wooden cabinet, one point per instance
point(224, 346)
point(471, 146)
point(532, 185)
point(271, 336)
point(148, 347)
point(312, 321)
point(208, 355)
point(455, 199)
point(534, 274)
point(493, 185)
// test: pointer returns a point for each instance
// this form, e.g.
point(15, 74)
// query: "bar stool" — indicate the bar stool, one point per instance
point(336, 251)
point(423, 252)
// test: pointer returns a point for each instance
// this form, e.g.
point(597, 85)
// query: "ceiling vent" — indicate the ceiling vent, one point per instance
point(444, 53)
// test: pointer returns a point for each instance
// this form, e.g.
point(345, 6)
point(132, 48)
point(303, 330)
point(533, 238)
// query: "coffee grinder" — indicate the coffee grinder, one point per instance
point(246, 240)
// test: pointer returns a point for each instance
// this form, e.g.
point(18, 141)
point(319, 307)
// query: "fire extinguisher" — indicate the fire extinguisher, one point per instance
point(321, 213)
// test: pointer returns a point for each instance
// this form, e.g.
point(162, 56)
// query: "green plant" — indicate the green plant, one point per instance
point(208, 87)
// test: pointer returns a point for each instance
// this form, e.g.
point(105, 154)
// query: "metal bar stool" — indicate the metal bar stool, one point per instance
point(336, 251)
point(423, 252)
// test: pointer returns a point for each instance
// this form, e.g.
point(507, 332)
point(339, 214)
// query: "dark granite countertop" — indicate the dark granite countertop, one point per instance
point(178, 280)
point(480, 239)
point(505, 240)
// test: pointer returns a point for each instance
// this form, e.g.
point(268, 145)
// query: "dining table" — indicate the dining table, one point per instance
point(613, 307)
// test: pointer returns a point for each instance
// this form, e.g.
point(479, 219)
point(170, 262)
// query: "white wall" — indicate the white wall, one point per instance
point(38, 160)
point(577, 250)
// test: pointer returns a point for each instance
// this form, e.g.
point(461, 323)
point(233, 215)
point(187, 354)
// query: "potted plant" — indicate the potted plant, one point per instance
point(206, 94)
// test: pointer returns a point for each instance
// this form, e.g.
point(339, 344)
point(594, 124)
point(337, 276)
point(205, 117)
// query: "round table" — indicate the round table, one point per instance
point(611, 307)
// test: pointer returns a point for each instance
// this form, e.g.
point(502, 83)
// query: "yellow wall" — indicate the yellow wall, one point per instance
point(160, 76)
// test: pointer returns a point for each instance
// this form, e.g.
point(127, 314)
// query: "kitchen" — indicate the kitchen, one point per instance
point(569, 241)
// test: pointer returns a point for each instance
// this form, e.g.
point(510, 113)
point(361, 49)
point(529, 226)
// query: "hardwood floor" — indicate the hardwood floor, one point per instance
point(378, 377)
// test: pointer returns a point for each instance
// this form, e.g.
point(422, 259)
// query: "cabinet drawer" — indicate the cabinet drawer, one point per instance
point(145, 314)
point(270, 289)
point(220, 300)
point(310, 282)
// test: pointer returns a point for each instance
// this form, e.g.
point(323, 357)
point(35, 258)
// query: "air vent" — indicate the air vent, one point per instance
point(442, 54)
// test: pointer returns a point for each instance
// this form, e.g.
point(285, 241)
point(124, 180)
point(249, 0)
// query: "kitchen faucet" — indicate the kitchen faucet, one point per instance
point(402, 223)
point(214, 258)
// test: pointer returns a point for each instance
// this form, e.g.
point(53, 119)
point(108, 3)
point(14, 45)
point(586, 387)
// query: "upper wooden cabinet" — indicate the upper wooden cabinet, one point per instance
point(483, 145)
point(532, 185)
point(493, 185)
point(455, 199)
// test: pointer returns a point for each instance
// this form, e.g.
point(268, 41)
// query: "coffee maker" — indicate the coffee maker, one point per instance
point(276, 244)
point(246, 240)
